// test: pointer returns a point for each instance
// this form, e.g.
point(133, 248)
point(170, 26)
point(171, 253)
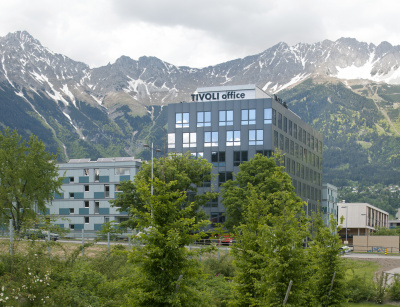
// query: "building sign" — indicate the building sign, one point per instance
point(223, 95)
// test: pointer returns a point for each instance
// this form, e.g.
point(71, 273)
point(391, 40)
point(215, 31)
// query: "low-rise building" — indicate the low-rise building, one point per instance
point(83, 203)
point(357, 219)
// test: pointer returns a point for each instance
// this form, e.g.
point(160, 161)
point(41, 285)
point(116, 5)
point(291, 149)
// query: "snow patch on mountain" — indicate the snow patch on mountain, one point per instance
point(360, 72)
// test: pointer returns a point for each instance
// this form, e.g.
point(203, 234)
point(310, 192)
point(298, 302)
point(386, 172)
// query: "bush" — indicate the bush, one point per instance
point(360, 288)
point(222, 266)
point(394, 289)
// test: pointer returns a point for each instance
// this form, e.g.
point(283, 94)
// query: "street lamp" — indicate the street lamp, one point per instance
point(347, 210)
point(157, 150)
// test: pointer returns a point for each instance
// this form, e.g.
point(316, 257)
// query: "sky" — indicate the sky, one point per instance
point(194, 33)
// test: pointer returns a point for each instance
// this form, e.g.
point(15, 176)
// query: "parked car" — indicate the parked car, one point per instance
point(345, 249)
point(35, 234)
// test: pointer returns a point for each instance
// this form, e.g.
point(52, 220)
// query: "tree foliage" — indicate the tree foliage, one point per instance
point(28, 177)
point(186, 172)
point(264, 176)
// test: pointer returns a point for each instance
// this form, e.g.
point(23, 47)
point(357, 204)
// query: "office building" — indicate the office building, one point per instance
point(329, 202)
point(83, 202)
point(228, 125)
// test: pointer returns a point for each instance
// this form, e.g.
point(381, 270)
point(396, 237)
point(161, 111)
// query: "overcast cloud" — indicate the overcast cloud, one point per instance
point(194, 33)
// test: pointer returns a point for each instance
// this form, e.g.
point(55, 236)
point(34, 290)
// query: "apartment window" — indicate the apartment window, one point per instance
point(302, 172)
point(210, 139)
point(203, 119)
point(293, 167)
point(290, 127)
point(106, 219)
point(295, 131)
point(212, 203)
point(171, 140)
point(225, 118)
point(181, 120)
point(106, 191)
point(86, 188)
point(86, 204)
point(308, 139)
point(224, 177)
point(316, 145)
point(197, 155)
point(281, 142)
point(86, 220)
point(275, 138)
point(304, 137)
point(267, 116)
point(96, 174)
point(286, 145)
point(279, 120)
point(218, 158)
point(256, 137)
point(120, 171)
point(71, 179)
point(312, 143)
point(96, 207)
point(86, 172)
point(287, 165)
point(71, 211)
point(305, 155)
point(320, 147)
point(71, 226)
point(297, 169)
point(301, 153)
point(233, 138)
point(71, 195)
point(239, 157)
point(248, 117)
point(189, 140)
point(285, 124)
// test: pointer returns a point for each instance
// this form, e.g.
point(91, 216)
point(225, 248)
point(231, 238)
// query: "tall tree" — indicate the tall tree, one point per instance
point(167, 271)
point(265, 177)
point(28, 177)
point(187, 173)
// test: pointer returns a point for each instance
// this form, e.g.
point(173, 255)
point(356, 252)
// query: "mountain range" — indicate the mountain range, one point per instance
point(346, 89)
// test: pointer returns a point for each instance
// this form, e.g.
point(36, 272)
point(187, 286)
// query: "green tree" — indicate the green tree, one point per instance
point(326, 263)
point(265, 176)
point(168, 272)
point(271, 231)
point(28, 177)
point(188, 174)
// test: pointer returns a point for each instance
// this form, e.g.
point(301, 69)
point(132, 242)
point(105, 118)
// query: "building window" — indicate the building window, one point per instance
point(239, 157)
point(312, 143)
point(285, 124)
point(181, 120)
point(275, 138)
point(296, 150)
point(86, 188)
point(86, 204)
point(304, 136)
point(273, 117)
point(290, 127)
point(233, 138)
point(71, 211)
point(71, 195)
point(295, 131)
point(71, 179)
point(210, 139)
point(197, 155)
point(171, 140)
point(189, 140)
point(203, 119)
point(71, 226)
point(286, 145)
point(96, 174)
point(96, 207)
point(279, 120)
point(256, 137)
point(225, 118)
point(308, 139)
point(106, 191)
point(224, 177)
point(212, 203)
point(292, 147)
point(281, 142)
point(267, 153)
point(248, 117)
point(217, 218)
point(120, 171)
point(300, 134)
point(86, 172)
point(86, 220)
point(218, 158)
point(301, 153)
point(267, 116)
